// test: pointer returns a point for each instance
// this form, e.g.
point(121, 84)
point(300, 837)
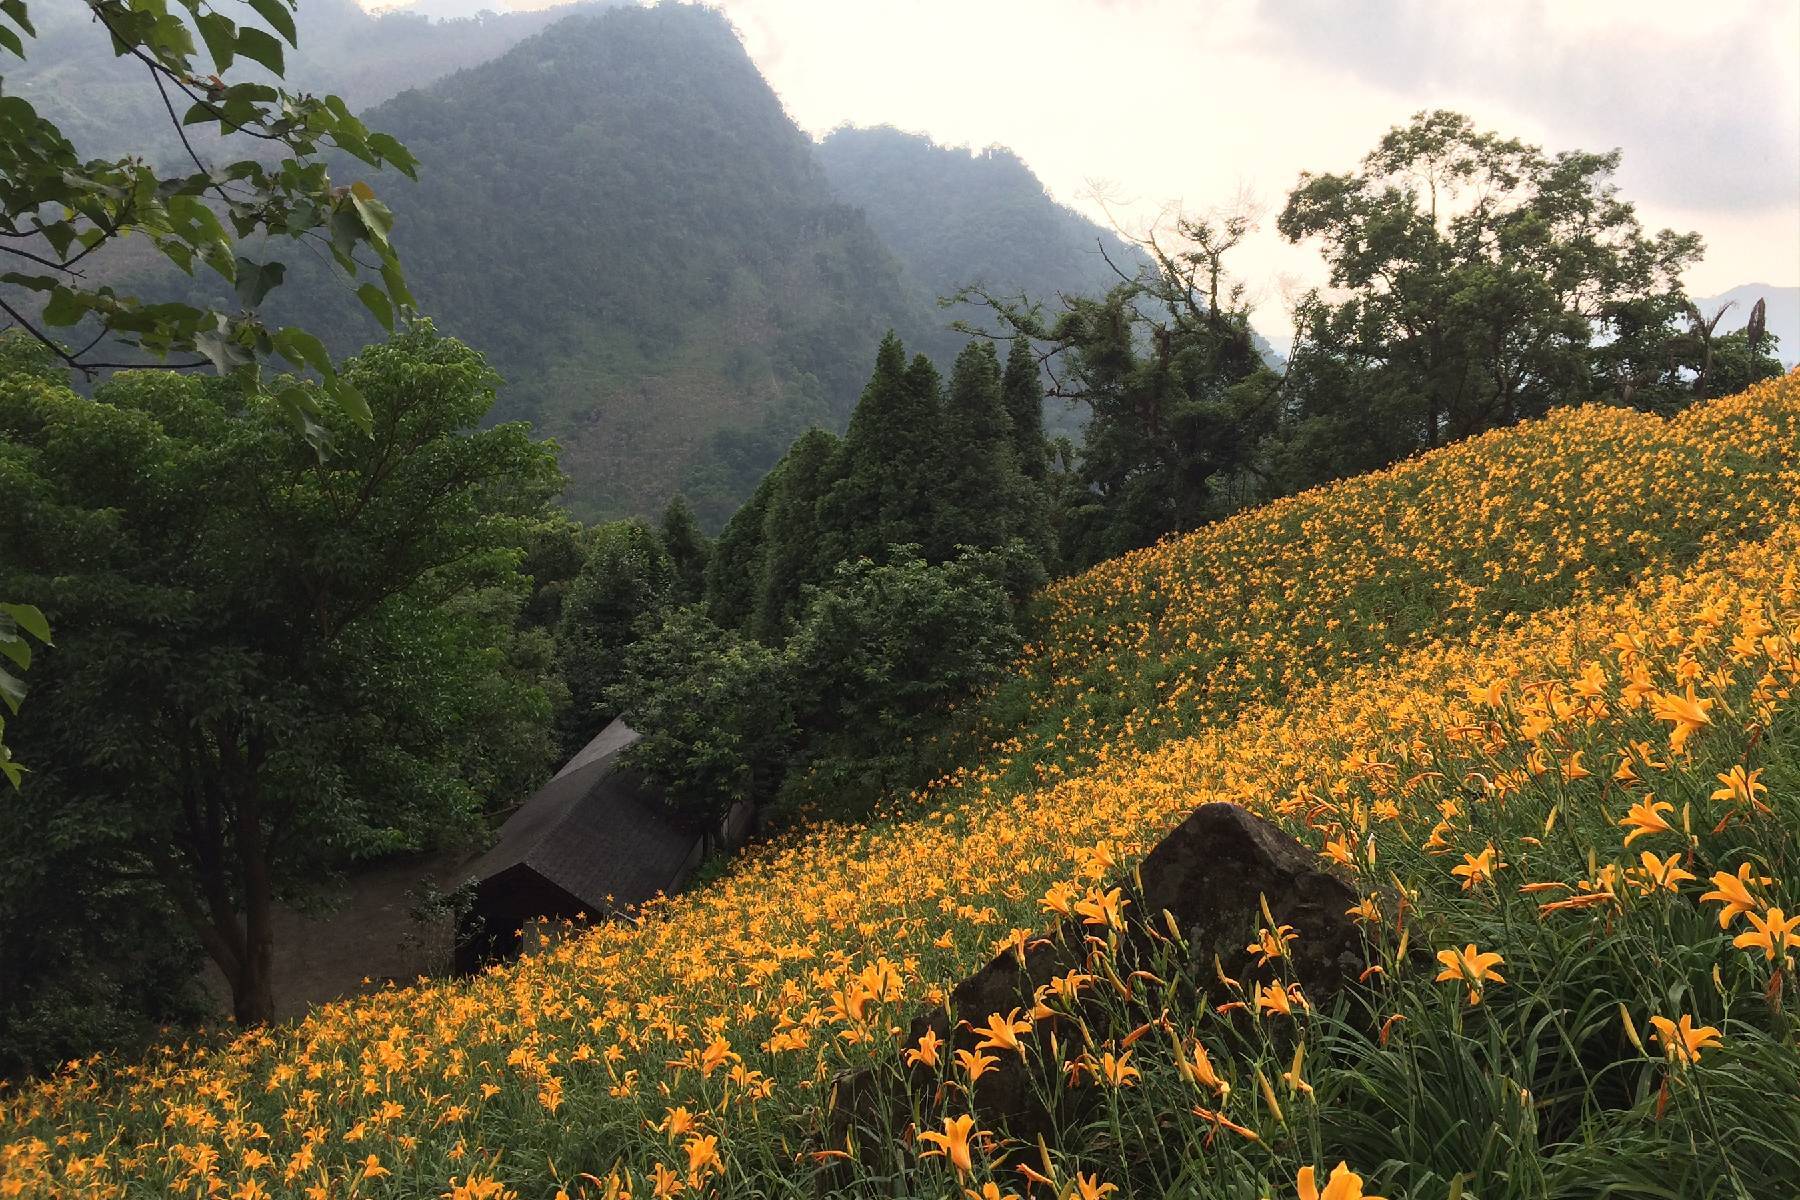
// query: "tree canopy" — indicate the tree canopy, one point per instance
point(1482, 281)
point(271, 664)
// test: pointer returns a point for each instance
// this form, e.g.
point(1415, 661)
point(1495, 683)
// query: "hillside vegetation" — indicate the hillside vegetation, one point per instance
point(718, 277)
point(1534, 693)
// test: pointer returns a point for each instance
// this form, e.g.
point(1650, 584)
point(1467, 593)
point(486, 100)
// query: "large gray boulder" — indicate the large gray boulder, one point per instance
point(1196, 903)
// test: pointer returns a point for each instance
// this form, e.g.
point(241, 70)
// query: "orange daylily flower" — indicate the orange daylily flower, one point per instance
point(952, 1143)
point(1103, 908)
point(1197, 1067)
point(1003, 1032)
point(975, 1064)
point(989, 1191)
point(1741, 787)
point(1478, 868)
point(1645, 819)
point(1089, 1187)
point(1660, 874)
point(1733, 892)
point(1272, 997)
point(1273, 944)
point(1687, 713)
point(1471, 966)
point(1684, 1042)
point(1116, 1071)
point(1773, 933)
point(1344, 1184)
point(926, 1054)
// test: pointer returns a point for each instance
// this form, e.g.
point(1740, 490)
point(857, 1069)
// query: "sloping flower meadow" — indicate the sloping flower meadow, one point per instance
point(1535, 694)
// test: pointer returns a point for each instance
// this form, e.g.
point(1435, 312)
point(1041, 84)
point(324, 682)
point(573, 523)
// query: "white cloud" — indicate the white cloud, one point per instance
point(1162, 100)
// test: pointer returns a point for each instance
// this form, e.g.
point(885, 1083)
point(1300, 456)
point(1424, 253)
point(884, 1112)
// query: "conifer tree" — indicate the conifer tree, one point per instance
point(1024, 396)
point(791, 555)
point(627, 576)
point(735, 567)
point(688, 548)
point(981, 491)
point(883, 496)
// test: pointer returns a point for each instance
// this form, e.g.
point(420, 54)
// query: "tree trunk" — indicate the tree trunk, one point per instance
point(252, 991)
point(253, 996)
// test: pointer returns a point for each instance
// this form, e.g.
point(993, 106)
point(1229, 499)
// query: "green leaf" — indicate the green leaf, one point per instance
point(303, 350)
point(256, 280)
point(30, 619)
point(11, 41)
point(376, 218)
point(396, 283)
point(350, 398)
point(15, 9)
point(277, 15)
point(346, 231)
point(261, 47)
point(64, 308)
point(391, 151)
point(17, 649)
point(220, 36)
point(12, 690)
point(376, 301)
point(226, 354)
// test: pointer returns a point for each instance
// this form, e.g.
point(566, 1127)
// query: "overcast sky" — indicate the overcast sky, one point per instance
point(1149, 103)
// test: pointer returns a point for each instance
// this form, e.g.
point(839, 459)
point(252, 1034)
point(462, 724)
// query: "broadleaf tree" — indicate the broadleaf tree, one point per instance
point(1478, 280)
point(271, 664)
point(60, 209)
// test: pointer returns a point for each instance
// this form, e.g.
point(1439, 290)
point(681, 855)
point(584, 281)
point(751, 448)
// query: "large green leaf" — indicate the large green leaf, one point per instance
point(376, 301)
point(220, 36)
point(261, 47)
point(256, 280)
point(277, 15)
point(29, 618)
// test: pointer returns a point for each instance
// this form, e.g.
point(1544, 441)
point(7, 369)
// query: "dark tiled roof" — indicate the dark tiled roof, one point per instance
point(595, 831)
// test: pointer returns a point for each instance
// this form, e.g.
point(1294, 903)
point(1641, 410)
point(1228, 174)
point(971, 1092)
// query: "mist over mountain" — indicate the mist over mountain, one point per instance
point(617, 210)
point(957, 216)
point(98, 98)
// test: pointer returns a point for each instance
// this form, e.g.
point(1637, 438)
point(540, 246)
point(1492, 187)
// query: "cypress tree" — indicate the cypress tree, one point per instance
point(688, 548)
point(791, 552)
point(979, 484)
point(883, 493)
point(1024, 396)
point(736, 564)
point(626, 577)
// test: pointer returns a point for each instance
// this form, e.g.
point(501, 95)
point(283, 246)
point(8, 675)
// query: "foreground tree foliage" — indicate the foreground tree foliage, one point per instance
point(60, 206)
point(271, 664)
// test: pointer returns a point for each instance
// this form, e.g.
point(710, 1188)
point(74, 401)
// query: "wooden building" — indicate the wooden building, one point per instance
point(592, 844)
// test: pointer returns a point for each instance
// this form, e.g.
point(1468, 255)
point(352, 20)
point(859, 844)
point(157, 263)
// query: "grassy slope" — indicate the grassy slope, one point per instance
point(1404, 670)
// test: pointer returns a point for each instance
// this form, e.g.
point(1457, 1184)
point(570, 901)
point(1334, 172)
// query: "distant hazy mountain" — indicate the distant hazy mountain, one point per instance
point(1781, 314)
point(99, 99)
point(615, 207)
point(620, 213)
point(956, 216)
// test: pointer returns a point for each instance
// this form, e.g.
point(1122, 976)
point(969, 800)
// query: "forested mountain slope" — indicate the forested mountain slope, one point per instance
point(1607, 613)
point(621, 215)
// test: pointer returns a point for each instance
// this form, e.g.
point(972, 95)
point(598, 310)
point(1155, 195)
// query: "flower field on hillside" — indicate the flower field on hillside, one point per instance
point(1535, 694)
